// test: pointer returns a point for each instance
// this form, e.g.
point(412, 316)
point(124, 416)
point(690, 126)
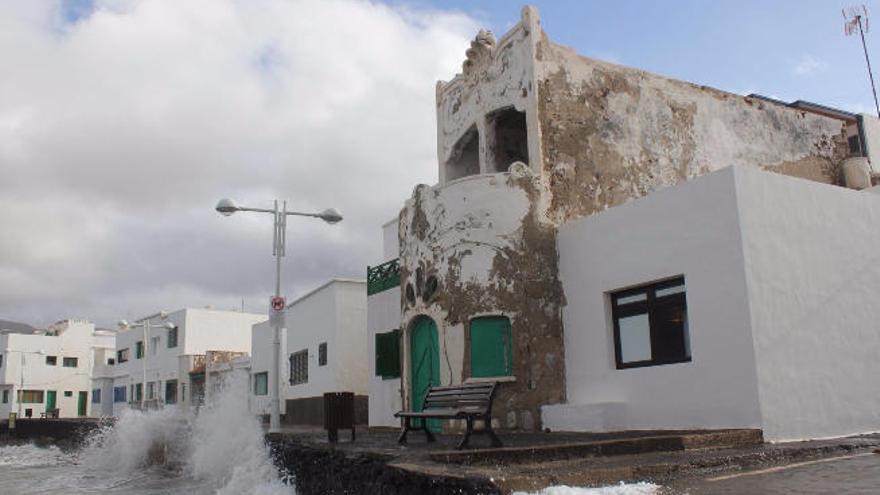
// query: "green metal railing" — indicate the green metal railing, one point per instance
point(383, 277)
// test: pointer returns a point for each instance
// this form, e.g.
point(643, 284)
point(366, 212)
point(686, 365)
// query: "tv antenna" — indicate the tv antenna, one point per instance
point(853, 20)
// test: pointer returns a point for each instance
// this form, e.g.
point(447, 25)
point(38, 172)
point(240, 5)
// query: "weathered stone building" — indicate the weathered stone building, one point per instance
point(531, 136)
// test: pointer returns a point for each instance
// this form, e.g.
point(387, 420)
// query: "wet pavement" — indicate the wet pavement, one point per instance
point(848, 475)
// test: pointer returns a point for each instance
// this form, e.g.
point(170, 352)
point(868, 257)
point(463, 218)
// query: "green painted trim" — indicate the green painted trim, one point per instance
point(383, 277)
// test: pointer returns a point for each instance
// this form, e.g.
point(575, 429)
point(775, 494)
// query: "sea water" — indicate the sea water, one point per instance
point(218, 451)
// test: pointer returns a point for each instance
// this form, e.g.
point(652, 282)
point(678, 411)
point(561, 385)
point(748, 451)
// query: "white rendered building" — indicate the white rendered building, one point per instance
point(383, 323)
point(165, 365)
point(323, 350)
point(776, 312)
point(53, 369)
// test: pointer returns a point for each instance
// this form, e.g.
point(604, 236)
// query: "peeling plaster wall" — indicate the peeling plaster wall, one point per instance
point(611, 133)
point(598, 135)
point(479, 236)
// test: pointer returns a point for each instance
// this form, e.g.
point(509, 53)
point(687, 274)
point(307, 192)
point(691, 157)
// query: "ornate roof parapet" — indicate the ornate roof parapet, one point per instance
point(479, 55)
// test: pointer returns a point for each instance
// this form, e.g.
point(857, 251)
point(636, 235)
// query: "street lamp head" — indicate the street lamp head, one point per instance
point(226, 207)
point(168, 325)
point(123, 324)
point(330, 215)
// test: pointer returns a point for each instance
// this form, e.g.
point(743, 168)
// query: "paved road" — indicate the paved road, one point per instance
point(858, 474)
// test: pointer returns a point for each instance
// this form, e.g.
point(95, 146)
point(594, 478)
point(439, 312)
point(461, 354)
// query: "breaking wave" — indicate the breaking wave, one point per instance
point(220, 450)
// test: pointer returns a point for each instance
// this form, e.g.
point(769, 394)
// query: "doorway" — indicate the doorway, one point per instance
point(81, 402)
point(425, 364)
point(51, 397)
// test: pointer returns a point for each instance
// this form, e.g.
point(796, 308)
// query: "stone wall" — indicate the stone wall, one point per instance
point(611, 133)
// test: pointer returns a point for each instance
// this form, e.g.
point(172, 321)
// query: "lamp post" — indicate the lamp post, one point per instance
point(227, 207)
point(146, 326)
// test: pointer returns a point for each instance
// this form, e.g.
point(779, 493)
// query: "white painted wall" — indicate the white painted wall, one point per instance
point(199, 330)
point(73, 339)
point(781, 276)
point(689, 230)
point(383, 315)
point(813, 275)
point(334, 313)
point(871, 131)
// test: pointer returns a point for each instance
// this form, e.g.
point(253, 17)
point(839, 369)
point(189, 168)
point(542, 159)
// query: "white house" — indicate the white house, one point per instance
point(53, 369)
point(323, 350)
point(160, 364)
point(765, 316)
point(383, 331)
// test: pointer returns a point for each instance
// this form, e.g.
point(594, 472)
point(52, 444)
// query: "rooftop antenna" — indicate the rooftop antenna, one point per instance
point(853, 17)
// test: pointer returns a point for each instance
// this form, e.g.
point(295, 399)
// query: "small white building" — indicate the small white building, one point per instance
point(53, 369)
point(383, 332)
point(323, 350)
point(165, 365)
point(741, 299)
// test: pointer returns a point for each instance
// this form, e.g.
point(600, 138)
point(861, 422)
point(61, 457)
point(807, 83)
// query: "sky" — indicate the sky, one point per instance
point(123, 122)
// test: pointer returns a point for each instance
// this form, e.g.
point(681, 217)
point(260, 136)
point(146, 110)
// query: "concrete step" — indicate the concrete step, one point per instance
point(650, 442)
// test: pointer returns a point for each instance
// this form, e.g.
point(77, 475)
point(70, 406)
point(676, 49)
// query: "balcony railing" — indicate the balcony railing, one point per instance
point(383, 277)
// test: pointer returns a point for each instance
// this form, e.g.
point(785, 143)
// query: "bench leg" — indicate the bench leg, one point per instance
point(428, 433)
point(496, 442)
point(401, 440)
point(467, 434)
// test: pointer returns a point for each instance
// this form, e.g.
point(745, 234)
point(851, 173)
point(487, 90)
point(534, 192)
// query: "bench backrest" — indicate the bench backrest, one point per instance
point(476, 396)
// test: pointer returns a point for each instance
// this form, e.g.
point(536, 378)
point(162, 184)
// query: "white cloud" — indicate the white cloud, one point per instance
point(120, 131)
point(809, 66)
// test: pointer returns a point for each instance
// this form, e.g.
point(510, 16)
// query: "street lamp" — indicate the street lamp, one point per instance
point(146, 326)
point(227, 207)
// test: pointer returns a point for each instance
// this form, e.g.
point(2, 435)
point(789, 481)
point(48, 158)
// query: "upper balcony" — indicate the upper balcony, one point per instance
point(383, 277)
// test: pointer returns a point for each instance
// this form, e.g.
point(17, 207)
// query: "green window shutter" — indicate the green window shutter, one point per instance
point(388, 354)
point(491, 348)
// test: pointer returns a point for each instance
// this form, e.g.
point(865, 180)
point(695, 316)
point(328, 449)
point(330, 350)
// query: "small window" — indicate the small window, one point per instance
point(388, 354)
point(855, 147)
point(119, 393)
point(171, 392)
point(491, 347)
point(70, 362)
point(6, 396)
point(299, 367)
point(51, 360)
point(122, 356)
point(111, 361)
point(138, 392)
point(172, 338)
point(322, 354)
point(154, 346)
point(30, 396)
point(650, 325)
point(261, 383)
point(151, 390)
point(68, 393)
point(139, 349)
point(96, 396)
point(1, 360)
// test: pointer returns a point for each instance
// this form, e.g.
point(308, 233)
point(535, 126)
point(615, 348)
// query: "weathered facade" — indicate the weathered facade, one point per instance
point(530, 136)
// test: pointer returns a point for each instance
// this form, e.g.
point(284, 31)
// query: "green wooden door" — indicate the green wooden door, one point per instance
point(491, 350)
point(50, 400)
point(425, 361)
point(81, 403)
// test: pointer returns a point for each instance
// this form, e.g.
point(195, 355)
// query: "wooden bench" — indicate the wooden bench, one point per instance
point(50, 414)
point(469, 402)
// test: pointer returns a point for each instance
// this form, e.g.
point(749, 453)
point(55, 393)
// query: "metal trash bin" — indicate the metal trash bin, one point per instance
point(338, 414)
